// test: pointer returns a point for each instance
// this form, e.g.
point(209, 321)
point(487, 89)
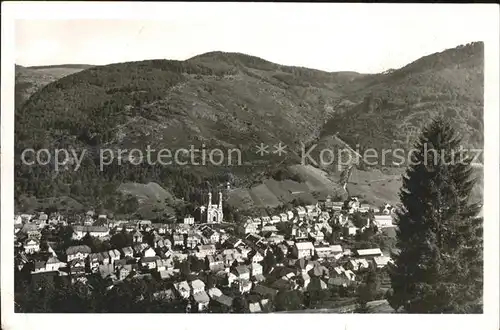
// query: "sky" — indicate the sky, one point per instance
point(367, 38)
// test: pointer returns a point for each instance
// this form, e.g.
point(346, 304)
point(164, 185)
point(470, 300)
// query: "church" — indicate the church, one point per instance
point(212, 213)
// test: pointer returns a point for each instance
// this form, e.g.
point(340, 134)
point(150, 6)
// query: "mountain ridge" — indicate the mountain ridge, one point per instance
point(240, 100)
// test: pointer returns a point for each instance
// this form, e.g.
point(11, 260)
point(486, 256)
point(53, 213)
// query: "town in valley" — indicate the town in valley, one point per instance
point(206, 263)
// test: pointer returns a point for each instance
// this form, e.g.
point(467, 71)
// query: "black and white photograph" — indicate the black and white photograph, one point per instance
point(322, 163)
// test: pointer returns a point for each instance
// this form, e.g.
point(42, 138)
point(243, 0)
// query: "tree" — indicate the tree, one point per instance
point(360, 220)
point(289, 301)
point(368, 290)
point(121, 239)
point(240, 304)
point(268, 263)
point(439, 266)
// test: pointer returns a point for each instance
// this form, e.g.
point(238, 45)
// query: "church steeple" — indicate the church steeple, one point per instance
point(220, 200)
point(209, 199)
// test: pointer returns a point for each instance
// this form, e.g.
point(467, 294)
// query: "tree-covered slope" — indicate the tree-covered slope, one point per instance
point(232, 100)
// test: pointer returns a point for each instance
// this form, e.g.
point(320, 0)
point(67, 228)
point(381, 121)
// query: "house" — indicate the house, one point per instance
point(341, 277)
point(188, 220)
point(388, 209)
point(225, 278)
point(113, 255)
point(39, 266)
point(161, 228)
point(95, 231)
point(214, 292)
point(201, 300)
point(211, 235)
point(317, 236)
point(223, 300)
point(215, 263)
point(381, 262)
point(269, 229)
point(303, 250)
point(53, 264)
point(149, 262)
point(149, 252)
point(233, 242)
point(182, 228)
point(32, 231)
point(256, 269)
point(192, 240)
point(313, 210)
point(31, 245)
point(76, 266)
point(156, 238)
point(324, 216)
point(243, 285)
point(300, 212)
point(254, 307)
point(205, 250)
point(164, 244)
point(283, 217)
point(123, 272)
point(179, 256)
point(328, 251)
point(265, 220)
point(77, 252)
point(248, 228)
point(199, 295)
point(275, 219)
point(369, 253)
point(139, 248)
point(284, 273)
point(358, 264)
point(127, 252)
point(339, 270)
point(93, 260)
point(274, 239)
point(165, 295)
point(104, 258)
point(197, 286)
point(178, 240)
point(350, 275)
point(164, 264)
point(242, 272)
point(166, 274)
point(255, 257)
point(257, 221)
point(182, 289)
point(290, 215)
point(137, 237)
point(336, 206)
point(383, 220)
point(349, 229)
point(253, 238)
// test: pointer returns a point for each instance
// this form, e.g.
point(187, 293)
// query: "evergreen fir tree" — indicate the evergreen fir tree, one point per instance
point(439, 266)
point(368, 290)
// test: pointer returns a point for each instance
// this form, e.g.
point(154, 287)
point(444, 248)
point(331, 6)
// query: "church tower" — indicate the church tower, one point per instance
point(214, 211)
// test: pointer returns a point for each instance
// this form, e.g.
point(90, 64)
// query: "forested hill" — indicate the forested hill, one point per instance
point(391, 107)
point(31, 79)
point(234, 100)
